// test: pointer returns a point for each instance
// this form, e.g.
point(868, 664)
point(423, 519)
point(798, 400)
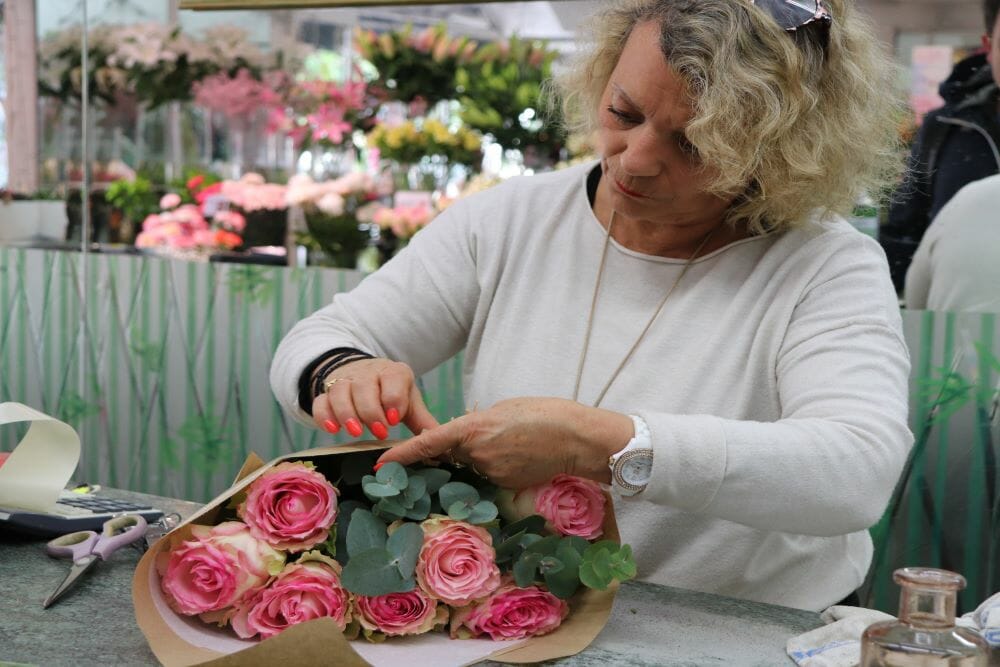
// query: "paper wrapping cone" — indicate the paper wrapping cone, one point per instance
point(179, 641)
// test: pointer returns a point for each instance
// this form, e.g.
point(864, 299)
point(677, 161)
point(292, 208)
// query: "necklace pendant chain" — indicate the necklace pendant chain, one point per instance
point(645, 330)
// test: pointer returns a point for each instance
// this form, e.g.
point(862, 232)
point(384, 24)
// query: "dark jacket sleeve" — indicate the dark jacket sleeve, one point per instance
point(909, 210)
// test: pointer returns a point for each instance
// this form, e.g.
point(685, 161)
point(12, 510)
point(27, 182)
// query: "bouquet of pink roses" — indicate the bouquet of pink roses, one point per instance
point(403, 551)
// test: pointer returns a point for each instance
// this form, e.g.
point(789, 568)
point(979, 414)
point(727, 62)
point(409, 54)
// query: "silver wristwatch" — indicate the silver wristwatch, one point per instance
point(632, 467)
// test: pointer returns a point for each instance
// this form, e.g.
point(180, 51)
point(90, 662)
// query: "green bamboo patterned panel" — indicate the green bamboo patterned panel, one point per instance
point(164, 374)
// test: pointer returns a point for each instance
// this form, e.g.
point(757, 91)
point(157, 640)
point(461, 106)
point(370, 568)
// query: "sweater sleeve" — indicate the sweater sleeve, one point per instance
point(828, 465)
point(417, 309)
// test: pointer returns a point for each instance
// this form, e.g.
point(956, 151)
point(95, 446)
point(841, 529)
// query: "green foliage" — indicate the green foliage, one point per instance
point(207, 440)
point(134, 198)
point(253, 282)
point(380, 564)
point(604, 562)
point(515, 120)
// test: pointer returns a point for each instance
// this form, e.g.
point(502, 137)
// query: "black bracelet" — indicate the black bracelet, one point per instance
point(325, 363)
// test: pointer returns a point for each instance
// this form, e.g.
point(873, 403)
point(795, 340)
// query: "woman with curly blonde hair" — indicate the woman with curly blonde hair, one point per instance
point(687, 319)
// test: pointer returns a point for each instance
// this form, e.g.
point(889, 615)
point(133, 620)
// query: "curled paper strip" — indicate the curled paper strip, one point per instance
point(38, 469)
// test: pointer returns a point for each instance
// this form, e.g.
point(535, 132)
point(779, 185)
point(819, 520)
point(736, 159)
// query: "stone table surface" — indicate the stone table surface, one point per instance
point(94, 624)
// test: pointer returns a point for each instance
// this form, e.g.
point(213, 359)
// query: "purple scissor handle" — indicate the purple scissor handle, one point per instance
point(86, 547)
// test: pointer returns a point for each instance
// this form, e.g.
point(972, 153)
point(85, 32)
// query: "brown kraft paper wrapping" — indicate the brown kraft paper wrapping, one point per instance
point(170, 635)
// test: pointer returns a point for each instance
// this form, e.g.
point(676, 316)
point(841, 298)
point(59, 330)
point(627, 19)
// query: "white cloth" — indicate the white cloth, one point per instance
point(838, 644)
point(774, 382)
point(957, 265)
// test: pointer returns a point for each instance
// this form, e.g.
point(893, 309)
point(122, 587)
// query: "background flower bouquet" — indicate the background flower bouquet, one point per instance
point(314, 543)
point(331, 214)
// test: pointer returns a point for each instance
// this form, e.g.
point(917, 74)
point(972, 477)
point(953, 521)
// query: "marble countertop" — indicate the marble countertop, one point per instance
point(94, 624)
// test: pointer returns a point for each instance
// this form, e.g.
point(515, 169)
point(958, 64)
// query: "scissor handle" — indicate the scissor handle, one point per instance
point(118, 532)
point(74, 545)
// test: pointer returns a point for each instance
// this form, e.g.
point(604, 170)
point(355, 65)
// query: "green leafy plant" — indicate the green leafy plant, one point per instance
point(135, 198)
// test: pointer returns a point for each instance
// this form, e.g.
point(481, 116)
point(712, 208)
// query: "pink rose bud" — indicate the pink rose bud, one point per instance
point(216, 568)
point(170, 200)
point(308, 588)
point(570, 505)
point(395, 614)
point(291, 507)
point(510, 613)
point(457, 563)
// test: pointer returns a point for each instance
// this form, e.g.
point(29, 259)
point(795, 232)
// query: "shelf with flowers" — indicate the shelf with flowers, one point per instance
point(320, 117)
point(500, 91)
point(182, 231)
point(422, 152)
point(416, 69)
point(332, 210)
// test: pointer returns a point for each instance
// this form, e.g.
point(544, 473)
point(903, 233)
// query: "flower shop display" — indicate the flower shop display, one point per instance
point(500, 92)
point(416, 69)
point(318, 541)
point(331, 210)
point(403, 221)
point(320, 113)
point(263, 205)
point(133, 200)
point(182, 230)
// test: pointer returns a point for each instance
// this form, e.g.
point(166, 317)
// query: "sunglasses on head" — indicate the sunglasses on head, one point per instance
point(794, 14)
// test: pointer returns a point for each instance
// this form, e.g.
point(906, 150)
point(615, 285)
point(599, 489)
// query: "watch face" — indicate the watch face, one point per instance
point(637, 470)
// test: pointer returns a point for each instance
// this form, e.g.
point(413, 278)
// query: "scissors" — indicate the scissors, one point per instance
point(85, 547)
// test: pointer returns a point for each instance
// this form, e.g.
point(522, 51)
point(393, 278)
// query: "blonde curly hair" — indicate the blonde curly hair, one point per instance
point(794, 124)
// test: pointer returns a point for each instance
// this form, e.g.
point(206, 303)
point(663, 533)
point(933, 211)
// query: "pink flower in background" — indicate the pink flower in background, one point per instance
point(395, 614)
point(306, 589)
point(170, 200)
point(216, 568)
point(404, 221)
point(457, 563)
point(291, 507)
point(511, 613)
point(328, 123)
point(570, 505)
point(331, 203)
point(251, 193)
point(236, 97)
point(230, 220)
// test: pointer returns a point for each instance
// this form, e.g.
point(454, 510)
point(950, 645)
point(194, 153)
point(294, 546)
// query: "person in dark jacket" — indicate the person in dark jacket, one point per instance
point(957, 144)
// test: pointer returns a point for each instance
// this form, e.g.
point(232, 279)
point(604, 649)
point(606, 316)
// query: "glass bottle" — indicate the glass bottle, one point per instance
point(925, 634)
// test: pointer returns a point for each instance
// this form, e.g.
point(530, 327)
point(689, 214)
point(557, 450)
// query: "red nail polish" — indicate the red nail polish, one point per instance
point(392, 414)
point(377, 466)
point(353, 427)
point(379, 430)
point(331, 426)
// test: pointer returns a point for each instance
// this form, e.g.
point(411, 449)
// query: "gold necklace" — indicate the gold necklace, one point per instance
point(593, 309)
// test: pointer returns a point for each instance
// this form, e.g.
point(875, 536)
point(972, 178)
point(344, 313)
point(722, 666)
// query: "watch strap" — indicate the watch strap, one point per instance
point(641, 440)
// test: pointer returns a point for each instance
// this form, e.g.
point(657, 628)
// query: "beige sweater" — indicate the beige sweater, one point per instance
point(774, 381)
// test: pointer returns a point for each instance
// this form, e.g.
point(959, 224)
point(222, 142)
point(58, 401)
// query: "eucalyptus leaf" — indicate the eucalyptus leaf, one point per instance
point(483, 512)
point(389, 509)
point(379, 490)
point(420, 510)
point(564, 583)
point(415, 490)
point(578, 544)
point(345, 510)
point(590, 578)
point(533, 523)
point(393, 474)
point(525, 567)
point(365, 532)
point(545, 546)
point(458, 492)
point(404, 545)
point(459, 511)
point(435, 478)
point(550, 564)
point(374, 572)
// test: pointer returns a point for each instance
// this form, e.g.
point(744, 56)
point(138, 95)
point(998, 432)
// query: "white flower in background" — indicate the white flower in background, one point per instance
point(331, 203)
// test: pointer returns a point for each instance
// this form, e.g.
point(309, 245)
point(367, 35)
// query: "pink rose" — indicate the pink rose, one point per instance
point(170, 200)
point(395, 614)
point(457, 563)
point(570, 505)
point(308, 588)
point(216, 568)
point(511, 613)
point(291, 507)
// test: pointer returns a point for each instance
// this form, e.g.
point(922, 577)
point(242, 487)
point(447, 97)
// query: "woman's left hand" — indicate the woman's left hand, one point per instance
point(523, 442)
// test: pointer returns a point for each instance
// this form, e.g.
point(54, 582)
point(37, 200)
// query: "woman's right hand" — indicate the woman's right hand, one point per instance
point(376, 393)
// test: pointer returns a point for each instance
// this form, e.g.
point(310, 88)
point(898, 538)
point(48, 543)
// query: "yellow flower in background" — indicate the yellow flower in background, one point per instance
point(471, 141)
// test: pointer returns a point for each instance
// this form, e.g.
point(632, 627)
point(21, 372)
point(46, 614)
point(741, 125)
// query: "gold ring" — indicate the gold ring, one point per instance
point(476, 471)
point(453, 461)
point(332, 381)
